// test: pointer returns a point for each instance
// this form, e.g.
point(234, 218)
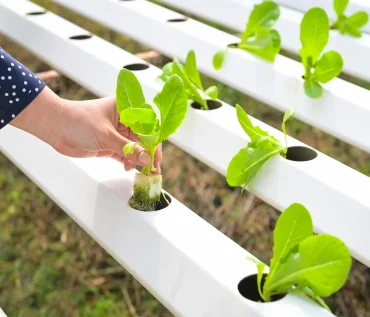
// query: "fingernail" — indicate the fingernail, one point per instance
point(144, 158)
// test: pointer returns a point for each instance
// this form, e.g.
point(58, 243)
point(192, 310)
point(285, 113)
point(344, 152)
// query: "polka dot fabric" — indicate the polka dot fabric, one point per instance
point(18, 87)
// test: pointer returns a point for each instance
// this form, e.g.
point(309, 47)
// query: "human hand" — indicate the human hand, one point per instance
point(83, 129)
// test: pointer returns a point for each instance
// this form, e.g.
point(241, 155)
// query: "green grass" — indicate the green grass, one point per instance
point(50, 267)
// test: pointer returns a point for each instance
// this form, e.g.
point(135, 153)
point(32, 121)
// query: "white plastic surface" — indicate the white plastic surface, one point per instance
point(353, 7)
point(2, 314)
point(187, 264)
point(336, 195)
point(343, 110)
point(234, 14)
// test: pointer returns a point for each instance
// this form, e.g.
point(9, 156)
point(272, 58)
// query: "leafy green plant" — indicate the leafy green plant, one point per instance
point(191, 78)
point(141, 118)
point(314, 37)
point(348, 24)
point(246, 164)
point(258, 38)
point(314, 265)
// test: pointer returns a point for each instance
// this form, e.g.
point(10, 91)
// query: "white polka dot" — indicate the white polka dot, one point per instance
point(24, 89)
point(19, 67)
point(36, 89)
point(40, 81)
point(13, 115)
point(24, 74)
point(6, 94)
point(25, 83)
point(35, 77)
point(9, 77)
point(14, 86)
point(29, 91)
point(2, 78)
point(10, 101)
point(17, 99)
point(30, 75)
point(13, 93)
point(9, 69)
point(2, 121)
point(2, 56)
point(12, 64)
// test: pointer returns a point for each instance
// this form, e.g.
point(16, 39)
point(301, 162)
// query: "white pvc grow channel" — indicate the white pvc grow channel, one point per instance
point(192, 268)
point(234, 14)
point(343, 110)
point(327, 5)
point(186, 263)
point(336, 195)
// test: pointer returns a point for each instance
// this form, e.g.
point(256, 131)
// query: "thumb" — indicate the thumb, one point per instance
point(117, 142)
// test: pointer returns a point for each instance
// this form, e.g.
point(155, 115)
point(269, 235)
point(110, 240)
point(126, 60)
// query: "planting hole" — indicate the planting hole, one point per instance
point(178, 20)
point(247, 287)
point(212, 105)
point(234, 45)
point(300, 154)
point(163, 203)
point(36, 13)
point(81, 37)
point(136, 67)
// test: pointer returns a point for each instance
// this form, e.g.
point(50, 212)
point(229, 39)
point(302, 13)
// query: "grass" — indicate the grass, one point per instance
point(50, 267)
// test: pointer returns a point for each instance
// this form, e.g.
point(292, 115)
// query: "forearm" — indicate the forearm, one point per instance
point(40, 116)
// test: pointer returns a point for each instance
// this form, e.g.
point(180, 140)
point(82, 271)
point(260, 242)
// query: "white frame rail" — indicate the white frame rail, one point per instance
point(191, 267)
point(279, 85)
point(325, 186)
point(234, 14)
point(327, 5)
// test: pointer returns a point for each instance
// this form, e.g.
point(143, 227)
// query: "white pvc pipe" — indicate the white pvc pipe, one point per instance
point(343, 110)
point(234, 14)
point(336, 195)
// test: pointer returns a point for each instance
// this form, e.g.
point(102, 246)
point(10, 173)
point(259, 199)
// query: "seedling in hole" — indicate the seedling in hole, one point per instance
point(329, 65)
point(348, 25)
point(302, 262)
point(258, 38)
point(141, 118)
point(191, 78)
point(245, 165)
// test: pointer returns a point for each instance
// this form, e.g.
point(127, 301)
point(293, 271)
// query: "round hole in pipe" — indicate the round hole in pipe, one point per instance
point(248, 288)
point(212, 105)
point(163, 203)
point(233, 45)
point(36, 12)
point(81, 37)
point(136, 67)
point(178, 20)
point(300, 154)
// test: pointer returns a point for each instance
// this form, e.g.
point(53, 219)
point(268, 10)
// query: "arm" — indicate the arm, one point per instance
point(74, 128)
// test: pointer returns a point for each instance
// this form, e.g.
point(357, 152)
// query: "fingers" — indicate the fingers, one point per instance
point(116, 142)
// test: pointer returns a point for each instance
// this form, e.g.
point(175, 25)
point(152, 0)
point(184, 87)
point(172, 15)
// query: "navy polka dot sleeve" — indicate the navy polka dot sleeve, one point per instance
point(18, 87)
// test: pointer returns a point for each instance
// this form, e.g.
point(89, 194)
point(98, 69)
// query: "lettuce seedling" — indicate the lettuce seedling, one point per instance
point(348, 25)
point(314, 37)
point(258, 38)
point(314, 265)
point(141, 118)
point(245, 165)
point(191, 78)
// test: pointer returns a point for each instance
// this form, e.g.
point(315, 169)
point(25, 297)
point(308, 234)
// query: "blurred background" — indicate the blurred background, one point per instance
point(50, 267)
